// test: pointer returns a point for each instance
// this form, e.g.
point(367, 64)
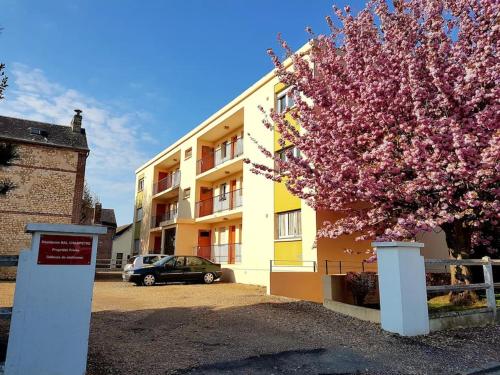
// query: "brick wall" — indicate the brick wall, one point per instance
point(105, 244)
point(47, 185)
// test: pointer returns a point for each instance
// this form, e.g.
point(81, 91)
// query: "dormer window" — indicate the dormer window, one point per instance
point(37, 131)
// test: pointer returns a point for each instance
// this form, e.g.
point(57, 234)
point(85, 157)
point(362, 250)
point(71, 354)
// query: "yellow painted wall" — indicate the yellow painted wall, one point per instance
point(283, 199)
point(288, 253)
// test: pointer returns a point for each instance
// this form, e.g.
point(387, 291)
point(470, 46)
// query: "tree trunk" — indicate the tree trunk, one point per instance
point(458, 239)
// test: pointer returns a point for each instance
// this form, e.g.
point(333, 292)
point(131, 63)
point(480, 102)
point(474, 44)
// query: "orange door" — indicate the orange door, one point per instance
point(162, 182)
point(160, 213)
point(232, 192)
point(233, 146)
point(232, 240)
point(207, 158)
point(157, 249)
point(205, 206)
point(204, 244)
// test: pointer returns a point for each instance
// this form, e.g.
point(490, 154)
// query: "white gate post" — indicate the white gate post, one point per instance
point(50, 321)
point(402, 288)
point(490, 292)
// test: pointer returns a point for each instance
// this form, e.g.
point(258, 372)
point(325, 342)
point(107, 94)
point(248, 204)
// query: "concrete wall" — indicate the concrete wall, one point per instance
point(306, 285)
point(123, 244)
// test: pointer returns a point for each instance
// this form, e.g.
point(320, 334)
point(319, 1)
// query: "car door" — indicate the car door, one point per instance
point(173, 269)
point(194, 268)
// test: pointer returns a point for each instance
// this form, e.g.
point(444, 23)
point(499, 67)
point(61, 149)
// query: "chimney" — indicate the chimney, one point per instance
point(97, 213)
point(76, 123)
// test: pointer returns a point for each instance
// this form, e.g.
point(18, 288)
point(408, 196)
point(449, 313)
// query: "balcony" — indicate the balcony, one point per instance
point(165, 219)
point(220, 203)
point(228, 151)
point(225, 253)
point(171, 181)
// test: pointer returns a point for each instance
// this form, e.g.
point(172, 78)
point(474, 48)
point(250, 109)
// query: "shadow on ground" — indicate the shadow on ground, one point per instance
point(280, 338)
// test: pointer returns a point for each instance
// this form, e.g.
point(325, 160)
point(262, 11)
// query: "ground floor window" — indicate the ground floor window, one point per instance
point(289, 224)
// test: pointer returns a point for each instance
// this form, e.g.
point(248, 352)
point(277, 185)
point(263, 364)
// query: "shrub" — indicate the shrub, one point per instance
point(361, 284)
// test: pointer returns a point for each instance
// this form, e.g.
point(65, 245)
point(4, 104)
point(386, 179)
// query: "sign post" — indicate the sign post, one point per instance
point(53, 300)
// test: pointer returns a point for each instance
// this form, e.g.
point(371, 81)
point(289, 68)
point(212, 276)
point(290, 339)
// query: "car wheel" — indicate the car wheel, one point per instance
point(208, 278)
point(149, 280)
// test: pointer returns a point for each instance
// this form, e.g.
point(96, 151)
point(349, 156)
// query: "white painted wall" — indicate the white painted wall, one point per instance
point(51, 314)
point(402, 289)
point(123, 244)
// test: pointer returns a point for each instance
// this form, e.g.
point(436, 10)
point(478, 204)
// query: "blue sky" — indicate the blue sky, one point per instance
point(144, 72)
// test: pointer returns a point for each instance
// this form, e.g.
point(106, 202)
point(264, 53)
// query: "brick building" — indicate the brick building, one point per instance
point(105, 217)
point(49, 177)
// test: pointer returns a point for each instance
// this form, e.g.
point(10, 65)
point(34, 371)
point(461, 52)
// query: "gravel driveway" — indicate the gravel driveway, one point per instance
point(237, 329)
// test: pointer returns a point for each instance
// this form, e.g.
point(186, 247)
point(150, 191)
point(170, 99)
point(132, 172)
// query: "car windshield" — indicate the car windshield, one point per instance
point(162, 261)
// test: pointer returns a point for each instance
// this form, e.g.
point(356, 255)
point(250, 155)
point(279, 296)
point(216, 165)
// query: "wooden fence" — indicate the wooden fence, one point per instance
point(488, 285)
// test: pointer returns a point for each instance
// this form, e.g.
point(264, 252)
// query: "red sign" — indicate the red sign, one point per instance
point(62, 249)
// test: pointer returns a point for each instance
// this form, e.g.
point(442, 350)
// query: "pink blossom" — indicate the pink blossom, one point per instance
point(401, 111)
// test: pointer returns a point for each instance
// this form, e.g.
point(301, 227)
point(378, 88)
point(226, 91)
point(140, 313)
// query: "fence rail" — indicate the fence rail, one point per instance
point(222, 202)
point(168, 218)
point(488, 285)
point(172, 180)
point(110, 264)
point(225, 152)
point(9, 260)
point(343, 266)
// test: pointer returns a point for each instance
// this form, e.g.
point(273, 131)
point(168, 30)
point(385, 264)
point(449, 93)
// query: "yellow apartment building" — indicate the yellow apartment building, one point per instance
point(198, 197)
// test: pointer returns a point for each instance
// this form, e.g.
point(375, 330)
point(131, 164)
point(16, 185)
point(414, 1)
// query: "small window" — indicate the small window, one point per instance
point(289, 224)
point(223, 149)
point(283, 154)
point(187, 193)
point(138, 214)
point(137, 247)
point(140, 184)
point(188, 153)
point(284, 101)
point(193, 261)
point(179, 262)
point(222, 192)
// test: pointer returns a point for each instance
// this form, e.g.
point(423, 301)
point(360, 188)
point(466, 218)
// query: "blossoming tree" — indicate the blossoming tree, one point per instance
point(399, 109)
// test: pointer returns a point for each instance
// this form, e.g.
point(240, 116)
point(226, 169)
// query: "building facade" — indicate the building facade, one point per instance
point(122, 245)
point(198, 197)
point(48, 177)
point(105, 217)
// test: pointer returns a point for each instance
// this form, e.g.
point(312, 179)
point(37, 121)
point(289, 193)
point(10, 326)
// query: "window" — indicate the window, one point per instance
point(179, 262)
point(188, 153)
point(193, 261)
point(289, 224)
point(140, 184)
point(284, 101)
point(283, 154)
point(150, 259)
point(137, 247)
point(223, 149)
point(138, 214)
point(187, 193)
point(222, 192)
